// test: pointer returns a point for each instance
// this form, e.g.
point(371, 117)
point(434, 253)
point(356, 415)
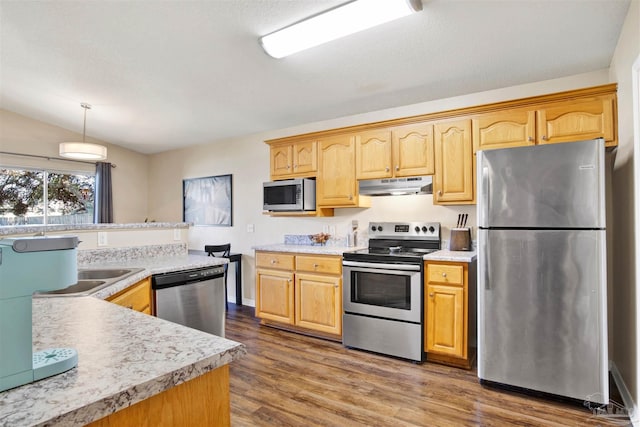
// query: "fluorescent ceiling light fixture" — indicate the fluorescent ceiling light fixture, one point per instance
point(83, 150)
point(341, 21)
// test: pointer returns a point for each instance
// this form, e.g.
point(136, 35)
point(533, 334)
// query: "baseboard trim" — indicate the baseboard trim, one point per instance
point(245, 301)
point(627, 399)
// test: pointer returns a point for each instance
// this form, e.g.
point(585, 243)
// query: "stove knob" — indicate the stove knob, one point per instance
point(373, 228)
point(424, 229)
point(379, 228)
point(417, 229)
point(431, 229)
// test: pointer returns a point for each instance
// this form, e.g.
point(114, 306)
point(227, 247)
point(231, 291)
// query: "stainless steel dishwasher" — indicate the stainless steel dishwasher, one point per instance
point(193, 298)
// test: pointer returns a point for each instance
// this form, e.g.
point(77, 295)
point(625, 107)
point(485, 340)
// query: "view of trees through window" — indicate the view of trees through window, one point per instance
point(67, 198)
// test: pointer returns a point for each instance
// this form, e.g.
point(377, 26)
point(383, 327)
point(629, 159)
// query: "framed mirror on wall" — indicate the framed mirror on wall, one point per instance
point(208, 200)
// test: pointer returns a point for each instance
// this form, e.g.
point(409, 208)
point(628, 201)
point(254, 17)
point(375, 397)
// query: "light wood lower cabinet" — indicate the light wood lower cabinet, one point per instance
point(137, 297)
point(274, 295)
point(300, 291)
point(201, 401)
point(450, 324)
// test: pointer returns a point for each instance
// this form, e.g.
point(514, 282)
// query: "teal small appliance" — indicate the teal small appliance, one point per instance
point(27, 265)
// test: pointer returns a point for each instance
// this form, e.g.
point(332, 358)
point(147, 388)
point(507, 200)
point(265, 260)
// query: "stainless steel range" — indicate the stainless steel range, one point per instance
point(383, 289)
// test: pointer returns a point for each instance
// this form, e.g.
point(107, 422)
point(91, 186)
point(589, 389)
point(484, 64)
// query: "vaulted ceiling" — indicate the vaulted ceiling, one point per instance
point(173, 73)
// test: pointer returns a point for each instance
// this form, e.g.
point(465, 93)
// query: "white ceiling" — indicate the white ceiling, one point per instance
point(167, 74)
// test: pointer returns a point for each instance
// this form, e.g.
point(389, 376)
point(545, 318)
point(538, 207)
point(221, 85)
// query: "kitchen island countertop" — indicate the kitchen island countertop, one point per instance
point(308, 249)
point(453, 256)
point(124, 357)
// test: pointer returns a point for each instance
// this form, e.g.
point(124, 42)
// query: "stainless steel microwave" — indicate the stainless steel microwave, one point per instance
point(290, 195)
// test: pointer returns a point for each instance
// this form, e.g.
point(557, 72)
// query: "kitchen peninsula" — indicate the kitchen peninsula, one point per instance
point(126, 362)
point(133, 369)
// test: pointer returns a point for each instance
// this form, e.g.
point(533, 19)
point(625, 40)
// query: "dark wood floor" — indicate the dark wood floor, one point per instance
point(288, 379)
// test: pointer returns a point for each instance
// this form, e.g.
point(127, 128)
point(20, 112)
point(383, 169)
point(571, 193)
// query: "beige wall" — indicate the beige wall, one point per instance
point(247, 158)
point(23, 135)
point(625, 328)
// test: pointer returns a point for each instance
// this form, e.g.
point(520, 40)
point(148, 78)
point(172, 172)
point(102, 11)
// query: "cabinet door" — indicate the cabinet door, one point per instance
point(336, 182)
point(373, 155)
point(136, 297)
point(281, 161)
point(577, 120)
point(445, 321)
point(453, 180)
point(274, 295)
point(413, 152)
point(319, 303)
point(504, 129)
point(305, 157)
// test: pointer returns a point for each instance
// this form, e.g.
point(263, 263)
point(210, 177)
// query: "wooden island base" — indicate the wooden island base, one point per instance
point(202, 401)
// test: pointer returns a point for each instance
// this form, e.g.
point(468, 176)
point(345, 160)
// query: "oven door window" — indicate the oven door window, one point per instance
point(382, 290)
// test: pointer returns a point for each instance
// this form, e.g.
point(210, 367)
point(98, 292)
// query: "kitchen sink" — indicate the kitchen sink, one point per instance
point(102, 274)
point(82, 287)
point(91, 281)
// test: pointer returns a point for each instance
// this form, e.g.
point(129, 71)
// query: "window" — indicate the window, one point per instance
point(67, 198)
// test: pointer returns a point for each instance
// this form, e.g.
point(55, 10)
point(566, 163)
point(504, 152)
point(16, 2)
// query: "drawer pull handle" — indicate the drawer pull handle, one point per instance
point(530, 139)
point(444, 274)
point(315, 265)
point(431, 294)
point(273, 261)
point(544, 137)
point(397, 168)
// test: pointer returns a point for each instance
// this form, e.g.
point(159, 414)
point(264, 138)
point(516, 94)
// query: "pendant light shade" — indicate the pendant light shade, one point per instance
point(83, 150)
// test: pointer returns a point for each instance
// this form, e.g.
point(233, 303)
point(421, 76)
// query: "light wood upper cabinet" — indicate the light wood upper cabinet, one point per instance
point(336, 185)
point(299, 159)
point(397, 152)
point(413, 150)
point(319, 302)
point(504, 129)
point(578, 120)
point(453, 179)
point(373, 155)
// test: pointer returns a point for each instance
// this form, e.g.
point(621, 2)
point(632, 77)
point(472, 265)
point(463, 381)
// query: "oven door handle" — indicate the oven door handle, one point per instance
point(401, 267)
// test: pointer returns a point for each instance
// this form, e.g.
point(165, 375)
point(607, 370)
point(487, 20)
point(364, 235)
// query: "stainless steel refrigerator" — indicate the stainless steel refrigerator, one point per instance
point(542, 269)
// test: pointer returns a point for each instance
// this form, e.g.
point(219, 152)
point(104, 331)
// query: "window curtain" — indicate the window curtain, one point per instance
point(103, 212)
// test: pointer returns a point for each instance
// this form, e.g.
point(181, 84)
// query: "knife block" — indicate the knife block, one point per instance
point(460, 239)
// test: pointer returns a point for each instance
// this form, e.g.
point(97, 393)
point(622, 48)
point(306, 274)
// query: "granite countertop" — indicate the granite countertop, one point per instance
point(123, 356)
point(454, 256)
point(155, 265)
point(38, 228)
point(308, 249)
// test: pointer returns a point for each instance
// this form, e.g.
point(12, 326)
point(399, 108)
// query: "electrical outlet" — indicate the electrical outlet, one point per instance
point(251, 228)
point(102, 238)
point(354, 224)
point(176, 234)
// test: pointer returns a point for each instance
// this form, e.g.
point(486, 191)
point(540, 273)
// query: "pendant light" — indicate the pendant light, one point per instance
point(83, 150)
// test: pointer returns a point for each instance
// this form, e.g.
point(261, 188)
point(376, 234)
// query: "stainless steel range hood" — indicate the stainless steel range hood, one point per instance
point(396, 186)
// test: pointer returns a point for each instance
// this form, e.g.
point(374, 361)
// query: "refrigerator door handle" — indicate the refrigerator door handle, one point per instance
point(484, 267)
point(485, 194)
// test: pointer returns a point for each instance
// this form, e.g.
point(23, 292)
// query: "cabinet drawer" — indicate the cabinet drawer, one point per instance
point(443, 273)
point(136, 297)
point(280, 261)
point(317, 264)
